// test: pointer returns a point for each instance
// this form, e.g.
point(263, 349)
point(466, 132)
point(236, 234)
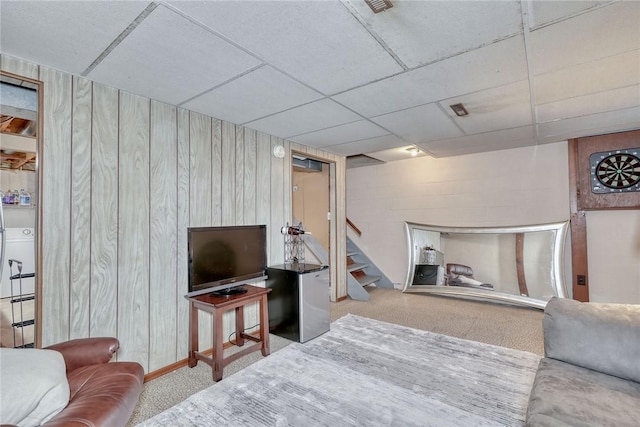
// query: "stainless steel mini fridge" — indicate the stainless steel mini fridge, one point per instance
point(298, 301)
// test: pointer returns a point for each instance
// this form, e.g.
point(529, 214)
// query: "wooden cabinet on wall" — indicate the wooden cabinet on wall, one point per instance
point(604, 174)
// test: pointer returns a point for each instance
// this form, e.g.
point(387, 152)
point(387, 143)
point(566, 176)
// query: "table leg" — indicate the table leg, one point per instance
point(218, 350)
point(239, 326)
point(264, 325)
point(193, 335)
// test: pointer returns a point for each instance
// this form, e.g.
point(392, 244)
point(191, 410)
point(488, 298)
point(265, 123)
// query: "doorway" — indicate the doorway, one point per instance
point(20, 127)
point(311, 195)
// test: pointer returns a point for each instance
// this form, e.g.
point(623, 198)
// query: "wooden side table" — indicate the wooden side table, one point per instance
point(217, 305)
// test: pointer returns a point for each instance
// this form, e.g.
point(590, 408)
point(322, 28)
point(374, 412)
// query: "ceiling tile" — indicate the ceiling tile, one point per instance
point(307, 118)
point(362, 129)
point(161, 48)
point(300, 35)
point(259, 93)
point(370, 145)
point(494, 65)
point(397, 153)
point(503, 107)
point(68, 36)
point(588, 78)
point(490, 141)
point(543, 12)
point(596, 34)
point(616, 99)
point(593, 124)
point(419, 124)
point(435, 35)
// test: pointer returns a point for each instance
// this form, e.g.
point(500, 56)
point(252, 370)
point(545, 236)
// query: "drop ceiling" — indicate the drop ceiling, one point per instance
point(334, 75)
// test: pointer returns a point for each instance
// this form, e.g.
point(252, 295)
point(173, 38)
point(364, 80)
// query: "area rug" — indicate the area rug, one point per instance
point(366, 372)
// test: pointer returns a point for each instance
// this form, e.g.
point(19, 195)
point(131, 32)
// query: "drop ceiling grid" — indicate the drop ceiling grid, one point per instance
point(371, 145)
point(621, 98)
point(362, 129)
point(54, 33)
point(491, 66)
point(257, 94)
point(594, 35)
point(307, 118)
point(306, 34)
point(419, 124)
point(490, 141)
point(140, 64)
point(507, 106)
point(435, 36)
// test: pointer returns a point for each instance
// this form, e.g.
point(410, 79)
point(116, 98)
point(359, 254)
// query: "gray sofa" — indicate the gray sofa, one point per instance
point(590, 375)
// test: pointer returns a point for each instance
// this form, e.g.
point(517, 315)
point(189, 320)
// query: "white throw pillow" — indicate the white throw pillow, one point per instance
point(33, 386)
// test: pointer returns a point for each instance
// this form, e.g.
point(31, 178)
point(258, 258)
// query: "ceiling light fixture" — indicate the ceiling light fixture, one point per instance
point(378, 5)
point(413, 151)
point(459, 110)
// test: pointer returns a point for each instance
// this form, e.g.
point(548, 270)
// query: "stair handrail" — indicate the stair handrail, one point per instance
point(353, 227)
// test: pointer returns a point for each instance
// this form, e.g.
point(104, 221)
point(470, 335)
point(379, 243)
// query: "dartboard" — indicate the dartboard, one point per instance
point(615, 171)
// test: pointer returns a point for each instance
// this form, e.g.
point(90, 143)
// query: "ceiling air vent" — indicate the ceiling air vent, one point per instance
point(379, 5)
point(361, 160)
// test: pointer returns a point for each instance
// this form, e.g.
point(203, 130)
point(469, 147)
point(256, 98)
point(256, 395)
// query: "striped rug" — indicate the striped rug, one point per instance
point(366, 372)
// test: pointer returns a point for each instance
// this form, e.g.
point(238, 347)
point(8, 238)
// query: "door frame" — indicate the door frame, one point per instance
point(39, 185)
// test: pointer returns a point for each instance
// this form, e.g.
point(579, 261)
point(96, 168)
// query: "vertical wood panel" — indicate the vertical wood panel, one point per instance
point(104, 212)
point(228, 190)
point(200, 196)
point(263, 183)
point(216, 167)
point(56, 197)
point(287, 186)
point(182, 206)
point(250, 178)
point(162, 235)
point(239, 176)
point(133, 229)
point(80, 209)
point(18, 66)
point(277, 219)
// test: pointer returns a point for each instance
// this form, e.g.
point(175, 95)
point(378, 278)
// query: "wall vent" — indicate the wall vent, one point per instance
point(379, 5)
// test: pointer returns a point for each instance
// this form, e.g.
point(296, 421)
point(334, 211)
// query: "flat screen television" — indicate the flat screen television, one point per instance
point(221, 259)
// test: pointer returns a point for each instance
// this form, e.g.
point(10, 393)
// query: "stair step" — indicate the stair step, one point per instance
point(24, 323)
point(367, 280)
point(356, 266)
point(21, 299)
point(30, 345)
point(352, 253)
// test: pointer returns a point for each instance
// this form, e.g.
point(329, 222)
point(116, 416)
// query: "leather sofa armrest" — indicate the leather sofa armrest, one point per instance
point(459, 270)
point(86, 351)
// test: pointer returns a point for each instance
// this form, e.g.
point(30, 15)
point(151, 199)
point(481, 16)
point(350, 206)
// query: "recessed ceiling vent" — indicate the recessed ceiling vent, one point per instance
point(361, 160)
point(379, 5)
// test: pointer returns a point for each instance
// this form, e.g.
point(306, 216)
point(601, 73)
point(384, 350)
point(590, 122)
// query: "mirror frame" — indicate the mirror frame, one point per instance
point(557, 263)
point(38, 200)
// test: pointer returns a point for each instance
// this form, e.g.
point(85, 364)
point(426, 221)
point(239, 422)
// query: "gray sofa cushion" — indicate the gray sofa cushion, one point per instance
point(568, 395)
point(601, 337)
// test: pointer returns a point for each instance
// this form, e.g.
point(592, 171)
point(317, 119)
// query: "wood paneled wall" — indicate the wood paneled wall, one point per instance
point(123, 177)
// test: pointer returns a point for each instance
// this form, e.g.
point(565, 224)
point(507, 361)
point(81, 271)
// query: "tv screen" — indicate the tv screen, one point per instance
point(221, 258)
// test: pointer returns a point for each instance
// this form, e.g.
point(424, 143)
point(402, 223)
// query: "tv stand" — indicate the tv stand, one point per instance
point(237, 290)
point(217, 305)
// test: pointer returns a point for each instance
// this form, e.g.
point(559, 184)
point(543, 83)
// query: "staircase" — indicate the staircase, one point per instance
point(361, 272)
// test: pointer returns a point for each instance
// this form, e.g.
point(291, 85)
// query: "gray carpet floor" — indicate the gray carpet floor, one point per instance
point(492, 323)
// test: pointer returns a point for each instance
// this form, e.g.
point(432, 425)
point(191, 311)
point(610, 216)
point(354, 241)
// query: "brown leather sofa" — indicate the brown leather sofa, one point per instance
point(457, 273)
point(101, 393)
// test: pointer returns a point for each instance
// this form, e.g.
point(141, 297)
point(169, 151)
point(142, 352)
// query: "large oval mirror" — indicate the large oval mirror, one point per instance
point(521, 265)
